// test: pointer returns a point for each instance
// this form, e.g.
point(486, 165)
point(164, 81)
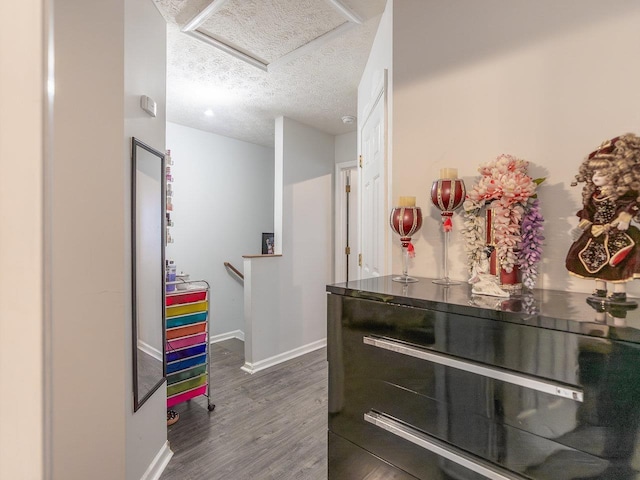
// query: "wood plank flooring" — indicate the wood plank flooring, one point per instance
point(269, 425)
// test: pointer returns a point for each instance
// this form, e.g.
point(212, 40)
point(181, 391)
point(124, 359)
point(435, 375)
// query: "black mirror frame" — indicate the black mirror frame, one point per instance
point(137, 401)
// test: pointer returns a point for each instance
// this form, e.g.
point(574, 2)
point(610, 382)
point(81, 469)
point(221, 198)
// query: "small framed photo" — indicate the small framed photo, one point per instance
point(267, 243)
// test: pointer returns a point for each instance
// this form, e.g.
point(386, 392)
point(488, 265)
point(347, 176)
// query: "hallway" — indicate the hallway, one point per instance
point(269, 425)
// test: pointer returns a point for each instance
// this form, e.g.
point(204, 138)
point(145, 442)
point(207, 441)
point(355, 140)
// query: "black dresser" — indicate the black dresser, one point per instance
point(432, 382)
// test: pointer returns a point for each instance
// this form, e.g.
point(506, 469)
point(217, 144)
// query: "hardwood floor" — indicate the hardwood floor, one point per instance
point(269, 425)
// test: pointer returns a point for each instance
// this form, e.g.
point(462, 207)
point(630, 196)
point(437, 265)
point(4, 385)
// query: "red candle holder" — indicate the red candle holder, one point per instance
point(405, 221)
point(447, 194)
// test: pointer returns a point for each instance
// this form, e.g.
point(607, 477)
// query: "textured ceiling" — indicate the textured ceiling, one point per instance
point(315, 85)
point(300, 21)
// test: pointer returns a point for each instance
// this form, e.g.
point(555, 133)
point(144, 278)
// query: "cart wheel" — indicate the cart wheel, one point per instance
point(211, 407)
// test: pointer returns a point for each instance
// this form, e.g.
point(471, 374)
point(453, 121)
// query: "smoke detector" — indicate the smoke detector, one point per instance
point(348, 119)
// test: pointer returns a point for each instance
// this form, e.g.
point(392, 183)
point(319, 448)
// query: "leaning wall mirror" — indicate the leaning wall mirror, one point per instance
point(147, 282)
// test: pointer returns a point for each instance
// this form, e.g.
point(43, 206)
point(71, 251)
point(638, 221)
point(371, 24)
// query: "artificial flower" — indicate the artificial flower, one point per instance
point(531, 246)
point(505, 187)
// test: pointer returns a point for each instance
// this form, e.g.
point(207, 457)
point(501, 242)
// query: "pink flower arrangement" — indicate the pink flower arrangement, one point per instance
point(504, 179)
point(506, 187)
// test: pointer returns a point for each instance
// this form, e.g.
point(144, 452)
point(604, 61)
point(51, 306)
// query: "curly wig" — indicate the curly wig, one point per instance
point(619, 159)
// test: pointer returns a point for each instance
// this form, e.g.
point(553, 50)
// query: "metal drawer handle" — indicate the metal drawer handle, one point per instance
point(440, 448)
point(522, 380)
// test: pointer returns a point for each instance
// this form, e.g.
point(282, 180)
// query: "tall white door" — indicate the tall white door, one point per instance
point(373, 213)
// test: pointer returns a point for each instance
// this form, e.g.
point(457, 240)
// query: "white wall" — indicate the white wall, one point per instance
point(546, 81)
point(77, 408)
point(223, 201)
point(145, 74)
point(346, 147)
point(285, 300)
point(87, 239)
point(21, 241)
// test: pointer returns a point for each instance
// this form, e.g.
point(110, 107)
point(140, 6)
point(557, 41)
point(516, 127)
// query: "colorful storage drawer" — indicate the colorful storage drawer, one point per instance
point(186, 297)
point(186, 385)
point(186, 353)
point(186, 363)
point(186, 319)
point(183, 397)
point(186, 330)
point(176, 310)
point(185, 374)
point(186, 341)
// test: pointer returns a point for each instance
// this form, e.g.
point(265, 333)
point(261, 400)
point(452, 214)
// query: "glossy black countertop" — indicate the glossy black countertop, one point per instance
point(551, 309)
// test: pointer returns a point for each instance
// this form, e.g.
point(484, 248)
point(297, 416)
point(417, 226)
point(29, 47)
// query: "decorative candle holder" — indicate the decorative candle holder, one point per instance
point(405, 221)
point(447, 194)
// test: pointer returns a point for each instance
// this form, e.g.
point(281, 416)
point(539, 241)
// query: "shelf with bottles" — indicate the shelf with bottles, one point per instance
point(169, 196)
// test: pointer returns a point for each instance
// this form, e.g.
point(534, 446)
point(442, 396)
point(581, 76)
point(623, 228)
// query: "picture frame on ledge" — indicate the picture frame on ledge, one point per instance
point(267, 244)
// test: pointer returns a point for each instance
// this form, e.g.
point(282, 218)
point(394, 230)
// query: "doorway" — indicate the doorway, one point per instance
point(347, 222)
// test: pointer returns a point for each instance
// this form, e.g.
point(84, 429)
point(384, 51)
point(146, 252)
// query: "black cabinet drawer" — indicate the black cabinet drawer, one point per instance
point(348, 461)
point(463, 427)
point(565, 358)
point(516, 426)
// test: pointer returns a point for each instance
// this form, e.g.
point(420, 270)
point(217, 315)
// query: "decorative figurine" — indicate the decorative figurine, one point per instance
point(483, 282)
point(605, 243)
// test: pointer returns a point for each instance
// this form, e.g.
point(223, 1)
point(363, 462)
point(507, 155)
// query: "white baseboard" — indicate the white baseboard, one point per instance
point(149, 350)
point(159, 463)
point(283, 357)
point(239, 334)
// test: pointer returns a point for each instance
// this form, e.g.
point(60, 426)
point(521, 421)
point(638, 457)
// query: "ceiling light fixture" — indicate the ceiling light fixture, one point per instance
point(208, 112)
point(348, 119)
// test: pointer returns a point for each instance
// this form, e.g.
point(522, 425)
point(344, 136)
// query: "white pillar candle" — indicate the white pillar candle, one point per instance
point(407, 202)
point(448, 173)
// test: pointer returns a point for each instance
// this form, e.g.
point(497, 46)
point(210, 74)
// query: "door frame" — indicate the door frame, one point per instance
point(340, 261)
